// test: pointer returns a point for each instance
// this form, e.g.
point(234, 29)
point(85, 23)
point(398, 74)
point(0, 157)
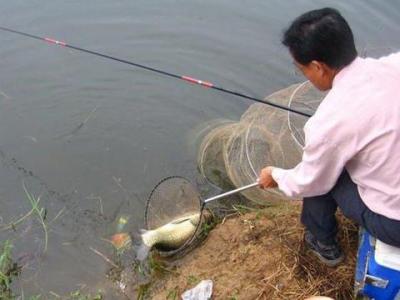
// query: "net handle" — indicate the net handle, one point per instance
point(238, 190)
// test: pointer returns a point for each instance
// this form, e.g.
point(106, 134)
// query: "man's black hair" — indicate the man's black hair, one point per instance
point(322, 35)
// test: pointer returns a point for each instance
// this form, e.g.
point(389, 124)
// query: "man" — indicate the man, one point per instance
point(351, 156)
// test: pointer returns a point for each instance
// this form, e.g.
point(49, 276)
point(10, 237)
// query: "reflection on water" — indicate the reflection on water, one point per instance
point(91, 137)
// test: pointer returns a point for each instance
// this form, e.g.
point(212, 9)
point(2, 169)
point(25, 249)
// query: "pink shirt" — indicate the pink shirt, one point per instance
point(357, 127)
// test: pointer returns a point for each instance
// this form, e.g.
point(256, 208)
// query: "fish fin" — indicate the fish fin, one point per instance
point(142, 251)
point(142, 231)
point(180, 221)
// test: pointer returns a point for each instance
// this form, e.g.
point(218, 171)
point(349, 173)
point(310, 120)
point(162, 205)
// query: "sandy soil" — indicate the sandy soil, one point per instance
point(260, 255)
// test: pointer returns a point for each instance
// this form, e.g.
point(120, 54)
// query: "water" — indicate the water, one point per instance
point(92, 136)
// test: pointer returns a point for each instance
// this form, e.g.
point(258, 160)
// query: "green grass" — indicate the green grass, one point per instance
point(172, 294)
point(158, 267)
point(5, 266)
point(8, 271)
point(78, 295)
point(40, 213)
point(208, 224)
point(12, 225)
point(192, 280)
point(207, 227)
point(234, 296)
point(243, 209)
point(142, 291)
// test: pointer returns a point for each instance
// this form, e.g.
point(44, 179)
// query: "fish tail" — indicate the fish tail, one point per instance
point(142, 252)
point(143, 244)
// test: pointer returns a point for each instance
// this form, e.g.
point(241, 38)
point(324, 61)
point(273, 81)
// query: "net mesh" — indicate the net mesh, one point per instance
point(233, 154)
point(174, 198)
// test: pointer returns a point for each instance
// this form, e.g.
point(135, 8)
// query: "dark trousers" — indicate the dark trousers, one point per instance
point(318, 215)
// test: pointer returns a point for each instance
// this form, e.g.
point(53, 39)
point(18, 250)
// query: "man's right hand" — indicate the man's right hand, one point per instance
point(266, 180)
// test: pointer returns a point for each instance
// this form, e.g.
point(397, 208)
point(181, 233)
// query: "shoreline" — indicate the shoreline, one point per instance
point(258, 254)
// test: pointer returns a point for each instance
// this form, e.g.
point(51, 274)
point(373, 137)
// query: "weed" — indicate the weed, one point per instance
point(142, 291)
point(77, 295)
point(206, 228)
point(13, 225)
point(192, 280)
point(157, 267)
point(234, 296)
point(242, 209)
point(208, 224)
point(40, 212)
point(8, 270)
point(172, 294)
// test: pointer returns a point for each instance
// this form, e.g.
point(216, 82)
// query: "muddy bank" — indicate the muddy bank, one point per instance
point(259, 254)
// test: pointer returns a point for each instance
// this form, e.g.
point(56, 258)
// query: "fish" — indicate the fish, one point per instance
point(168, 237)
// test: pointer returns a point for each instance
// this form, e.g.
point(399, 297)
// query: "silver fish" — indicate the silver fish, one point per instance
point(170, 236)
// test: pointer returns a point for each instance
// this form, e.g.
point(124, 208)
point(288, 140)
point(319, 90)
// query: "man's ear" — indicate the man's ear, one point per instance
point(317, 66)
point(322, 67)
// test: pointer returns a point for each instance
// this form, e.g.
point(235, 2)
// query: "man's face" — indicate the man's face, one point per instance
point(319, 74)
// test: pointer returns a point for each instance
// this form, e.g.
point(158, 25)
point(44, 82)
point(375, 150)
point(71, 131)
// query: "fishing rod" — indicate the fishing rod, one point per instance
point(181, 77)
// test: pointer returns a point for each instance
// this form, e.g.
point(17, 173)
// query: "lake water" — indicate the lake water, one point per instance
point(92, 137)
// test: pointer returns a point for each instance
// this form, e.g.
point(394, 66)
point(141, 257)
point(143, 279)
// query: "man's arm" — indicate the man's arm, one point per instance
point(321, 165)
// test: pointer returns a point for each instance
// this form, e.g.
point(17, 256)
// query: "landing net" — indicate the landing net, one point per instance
point(233, 154)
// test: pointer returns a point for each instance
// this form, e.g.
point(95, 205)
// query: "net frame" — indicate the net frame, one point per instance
point(196, 236)
point(314, 98)
point(263, 136)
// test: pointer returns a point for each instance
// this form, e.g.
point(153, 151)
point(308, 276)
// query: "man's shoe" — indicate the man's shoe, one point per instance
point(331, 255)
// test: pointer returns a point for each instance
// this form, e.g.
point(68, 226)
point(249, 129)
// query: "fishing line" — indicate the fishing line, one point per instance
point(159, 71)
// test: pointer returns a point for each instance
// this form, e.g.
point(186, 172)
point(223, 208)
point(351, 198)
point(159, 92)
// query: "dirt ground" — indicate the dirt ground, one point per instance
point(260, 254)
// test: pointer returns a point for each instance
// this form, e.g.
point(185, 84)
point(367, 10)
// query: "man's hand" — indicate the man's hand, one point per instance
point(266, 180)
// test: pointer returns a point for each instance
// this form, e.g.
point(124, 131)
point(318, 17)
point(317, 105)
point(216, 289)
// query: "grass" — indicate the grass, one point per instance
point(35, 209)
point(13, 225)
point(77, 295)
point(173, 294)
point(207, 227)
point(40, 212)
point(243, 209)
point(142, 291)
point(192, 280)
point(152, 269)
point(209, 222)
point(158, 267)
point(8, 271)
point(294, 274)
